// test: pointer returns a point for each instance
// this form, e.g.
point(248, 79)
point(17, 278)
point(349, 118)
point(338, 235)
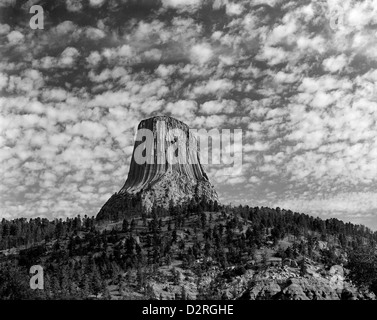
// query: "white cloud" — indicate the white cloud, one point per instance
point(322, 100)
point(68, 57)
point(235, 180)
point(56, 94)
point(88, 129)
point(165, 71)
point(335, 64)
point(65, 27)
point(153, 54)
point(273, 55)
point(339, 204)
point(4, 29)
point(209, 122)
point(217, 87)
point(15, 37)
point(254, 179)
point(182, 109)
point(257, 146)
point(3, 81)
point(96, 3)
point(7, 3)
point(201, 53)
point(94, 33)
point(214, 106)
point(181, 3)
point(233, 8)
point(94, 58)
point(74, 5)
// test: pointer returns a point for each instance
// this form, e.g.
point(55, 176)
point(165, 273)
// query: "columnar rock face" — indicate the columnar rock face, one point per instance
point(154, 166)
point(165, 168)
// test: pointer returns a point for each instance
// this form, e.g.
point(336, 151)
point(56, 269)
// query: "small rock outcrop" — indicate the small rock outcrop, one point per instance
point(288, 284)
point(165, 168)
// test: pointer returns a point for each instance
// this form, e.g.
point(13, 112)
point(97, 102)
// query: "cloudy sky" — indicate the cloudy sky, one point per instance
point(299, 77)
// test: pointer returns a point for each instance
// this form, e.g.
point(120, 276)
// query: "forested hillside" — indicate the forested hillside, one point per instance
point(199, 249)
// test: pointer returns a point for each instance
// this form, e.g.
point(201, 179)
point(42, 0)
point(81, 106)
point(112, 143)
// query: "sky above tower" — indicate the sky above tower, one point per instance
point(298, 77)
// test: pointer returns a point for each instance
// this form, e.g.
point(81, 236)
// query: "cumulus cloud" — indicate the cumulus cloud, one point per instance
point(334, 64)
point(233, 8)
point(74, 5)
point(201, 53)
point(181, 3)
point(94, 58)
point(338, 205)
point(214, 106)
point(54, 94)
point(68, 57)
point(216, 87)
point(65, 27)
point(4, 29)
point(15, 37)
point(88, 129)
point(7, 3)
point(182, 109)
point(96, 3)
point(3, 81)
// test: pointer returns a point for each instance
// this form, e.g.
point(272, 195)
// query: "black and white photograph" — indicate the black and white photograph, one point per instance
point(188, 150)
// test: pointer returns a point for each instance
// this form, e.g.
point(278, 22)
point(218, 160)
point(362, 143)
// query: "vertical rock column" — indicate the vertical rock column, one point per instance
point(158, 180)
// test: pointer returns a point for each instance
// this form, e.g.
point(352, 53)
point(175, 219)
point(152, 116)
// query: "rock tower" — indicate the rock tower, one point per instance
point(165, 168)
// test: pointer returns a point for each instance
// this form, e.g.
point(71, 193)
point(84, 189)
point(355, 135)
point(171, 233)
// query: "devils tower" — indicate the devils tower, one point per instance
point(165, 168)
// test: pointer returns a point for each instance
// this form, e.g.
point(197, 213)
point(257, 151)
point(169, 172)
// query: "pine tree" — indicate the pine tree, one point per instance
point(85, 287)
point(183, 293)
point(125, 225)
